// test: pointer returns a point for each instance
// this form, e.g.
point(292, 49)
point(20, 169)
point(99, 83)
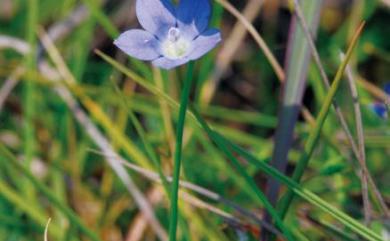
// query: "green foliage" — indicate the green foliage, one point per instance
point(51, 166)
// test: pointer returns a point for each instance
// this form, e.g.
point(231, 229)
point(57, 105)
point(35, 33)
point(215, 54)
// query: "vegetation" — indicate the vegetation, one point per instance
point(280, 138)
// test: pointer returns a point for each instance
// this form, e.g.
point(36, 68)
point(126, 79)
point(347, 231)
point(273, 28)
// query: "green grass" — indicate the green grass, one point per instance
point(52, 167)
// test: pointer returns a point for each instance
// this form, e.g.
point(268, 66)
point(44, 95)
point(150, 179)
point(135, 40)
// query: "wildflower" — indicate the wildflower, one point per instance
point(382, 109)
point(387, 89)
point(172, 35)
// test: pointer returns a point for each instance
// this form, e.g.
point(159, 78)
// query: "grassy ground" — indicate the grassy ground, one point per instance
point(87, 134)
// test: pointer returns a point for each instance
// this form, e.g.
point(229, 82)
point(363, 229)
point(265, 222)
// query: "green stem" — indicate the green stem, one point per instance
point(178, 150)
point(315, 133)
point(29, 89)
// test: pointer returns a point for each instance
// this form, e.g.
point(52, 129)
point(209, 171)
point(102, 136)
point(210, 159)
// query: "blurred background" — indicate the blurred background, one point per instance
point(65, 112)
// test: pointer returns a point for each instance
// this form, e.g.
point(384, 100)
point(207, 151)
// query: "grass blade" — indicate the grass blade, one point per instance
point(259, 40)
point(29, 92)
point(297, 66)
point(185, 95)
point(361, 145)
point(298, 59)
point(315, 133)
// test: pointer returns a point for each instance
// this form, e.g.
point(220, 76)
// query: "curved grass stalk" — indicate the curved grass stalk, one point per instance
point(259, 40)
point(29, 141)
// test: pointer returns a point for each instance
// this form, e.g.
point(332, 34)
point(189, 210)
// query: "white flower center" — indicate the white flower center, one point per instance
point(175, 46)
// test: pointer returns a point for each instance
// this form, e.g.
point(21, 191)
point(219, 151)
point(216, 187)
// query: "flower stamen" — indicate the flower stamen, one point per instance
point(175, 46)
point(173, 34)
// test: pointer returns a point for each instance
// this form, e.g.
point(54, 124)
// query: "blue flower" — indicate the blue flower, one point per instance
point(172, 35)
point(386, 88)
point(382, 109)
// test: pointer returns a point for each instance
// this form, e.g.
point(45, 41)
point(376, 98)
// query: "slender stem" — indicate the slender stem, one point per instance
point(178, 150)
point(29, 89)
point(361, 144)
point(259, 40)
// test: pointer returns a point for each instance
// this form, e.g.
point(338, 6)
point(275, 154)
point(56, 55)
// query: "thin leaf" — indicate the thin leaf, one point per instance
point(185, 95)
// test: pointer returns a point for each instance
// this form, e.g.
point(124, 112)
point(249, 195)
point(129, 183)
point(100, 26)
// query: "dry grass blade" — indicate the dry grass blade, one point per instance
point(18, 45)
point(47, 229)
point(140, 224)
point(366, 177)
point(259, 40)
point(228, 49)
point(10, 84)
point(361, 146)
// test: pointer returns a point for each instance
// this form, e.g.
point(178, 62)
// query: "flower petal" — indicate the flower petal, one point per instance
point(387, 88)
point(204, 43)
point(380, 109)
point(166, 63)
point(156, 16)
point(193, 17)
point(138, 44)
